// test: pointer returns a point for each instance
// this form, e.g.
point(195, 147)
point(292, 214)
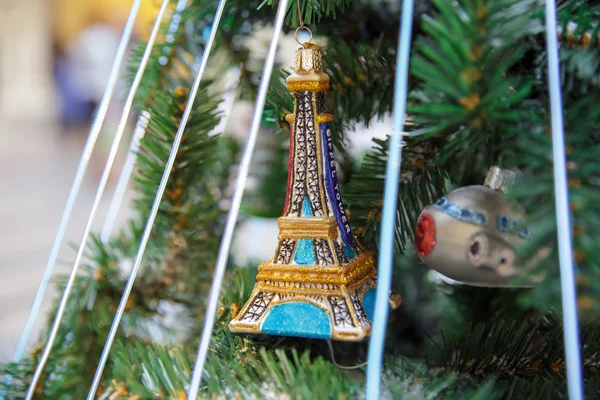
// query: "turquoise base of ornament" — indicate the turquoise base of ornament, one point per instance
point(305, 319)
point(342, 316)
point(301, 319)
point(297, 319)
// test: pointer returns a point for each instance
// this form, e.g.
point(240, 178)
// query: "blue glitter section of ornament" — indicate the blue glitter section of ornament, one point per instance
point(461, 213)
point(506, 224)
point(306, 210)
point(509, 225)
point(368, 303)
point(297, 319)
point(441, 203)
point(349, 252)
point(480, 219)
point(525, 233)
point(305, 254)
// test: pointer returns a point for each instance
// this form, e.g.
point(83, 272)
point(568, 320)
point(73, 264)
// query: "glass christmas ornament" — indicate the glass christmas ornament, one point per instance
point(471, 234)
point(320, 282)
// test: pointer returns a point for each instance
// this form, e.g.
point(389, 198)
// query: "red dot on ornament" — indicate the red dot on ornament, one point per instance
point(425, 235)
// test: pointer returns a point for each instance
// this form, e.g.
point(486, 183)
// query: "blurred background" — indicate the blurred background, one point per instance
point(55, 59)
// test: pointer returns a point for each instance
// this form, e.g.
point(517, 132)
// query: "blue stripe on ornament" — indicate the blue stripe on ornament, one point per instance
point(509, 225)
point(461, 213)
point(333, 187)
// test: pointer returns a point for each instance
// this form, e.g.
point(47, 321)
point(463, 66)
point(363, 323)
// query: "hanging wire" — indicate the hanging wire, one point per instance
point(98, 198)
point(121, 188)
point(390, 201)
point(565, 246)
point(223, 255)
point(156, 204)
point(300, 18)
point(340, 366)
point(83, 163)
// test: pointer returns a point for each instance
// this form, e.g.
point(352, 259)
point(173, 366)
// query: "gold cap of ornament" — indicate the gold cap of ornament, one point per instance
point(308, 65)
point(499, 179)
point(308, 58)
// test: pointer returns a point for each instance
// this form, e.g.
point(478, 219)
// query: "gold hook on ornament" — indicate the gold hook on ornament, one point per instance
point(302, 27)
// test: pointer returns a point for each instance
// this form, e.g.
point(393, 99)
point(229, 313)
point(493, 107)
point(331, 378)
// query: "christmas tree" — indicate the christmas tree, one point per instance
point(477, 98)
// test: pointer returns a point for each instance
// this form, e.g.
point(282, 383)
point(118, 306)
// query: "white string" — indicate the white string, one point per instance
point(98, 198)
point(223, 255)
point(83, 163)
point(388, 219)
point(565, 246)
point(156, 204)
point(138, 134)
point(121, 188)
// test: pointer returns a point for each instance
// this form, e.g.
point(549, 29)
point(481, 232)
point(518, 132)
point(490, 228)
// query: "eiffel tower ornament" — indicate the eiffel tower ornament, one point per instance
point(321, 281)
